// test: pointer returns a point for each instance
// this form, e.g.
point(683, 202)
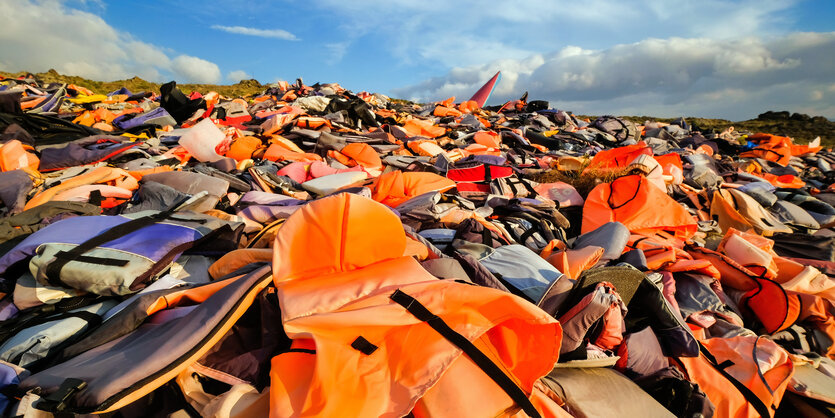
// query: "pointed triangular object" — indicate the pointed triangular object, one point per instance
point(484, 92)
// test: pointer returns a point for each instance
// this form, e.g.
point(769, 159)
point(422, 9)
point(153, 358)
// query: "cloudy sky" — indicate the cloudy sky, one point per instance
point(710, 58)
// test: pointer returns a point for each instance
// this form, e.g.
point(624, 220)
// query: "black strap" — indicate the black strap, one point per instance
point(487, 176)
point(53, 270)
point(93, 260)
point(479, 358)
point(95, 198)
point(759, 370)
point(57, 401)
point(531, 190)
point(301, 350)
point(750, 396)
point(43, 314)
point(363, 346)
point(512, 186)
point(486, 237)
point(612, 191)
point(89, 317)
point(92, 320)
point(527, 234)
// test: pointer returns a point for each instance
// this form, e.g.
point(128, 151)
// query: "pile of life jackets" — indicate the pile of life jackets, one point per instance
point(310, 251)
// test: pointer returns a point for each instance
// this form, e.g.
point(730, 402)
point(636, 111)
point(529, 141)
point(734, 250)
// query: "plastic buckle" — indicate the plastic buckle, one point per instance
point(57, 401)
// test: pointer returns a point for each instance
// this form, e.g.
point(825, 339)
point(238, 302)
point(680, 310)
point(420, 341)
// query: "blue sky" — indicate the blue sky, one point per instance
point(712, 58)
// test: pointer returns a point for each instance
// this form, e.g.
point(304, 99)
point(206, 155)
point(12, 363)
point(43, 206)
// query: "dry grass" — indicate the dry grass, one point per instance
point(584, 179)
point(242, 89)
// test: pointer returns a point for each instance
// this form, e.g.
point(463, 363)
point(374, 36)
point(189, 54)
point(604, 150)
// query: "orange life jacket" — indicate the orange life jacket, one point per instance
point(620, 157)
point(420, 127)
point(744, 376)
point(635, 202)
point(374, 333)
point(14, 156)
point(396, 187)
point(770, 147)
point(100, 175)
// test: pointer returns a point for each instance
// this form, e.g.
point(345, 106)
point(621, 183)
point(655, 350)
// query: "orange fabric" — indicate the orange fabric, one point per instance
point(770, 147)
point(488, 139)
point(286, 143)
point(668, 160)
point(276, 152)
point(617, 158)
point(704, 149)
point(775, 308)
point(289, 96)
point(443, 111)
point(103, 126)
point(396, 187)
point(187, 297)
point(342, 158)
point(293, 243)
point(573, 262)
point(788, 269)
point(279, 122)
point(111, 196)
point(457, 154)
point(31, 103)
point(818, 312)
point(729, 402)
point(804, 149)
point(478, 149)
point(787, 181)
point(142, 173)
point(341, 291)
point(13, 156)
point(363, 155)
point(732, 274)
point(310, 122)
point(735, 209)
point(242, 148)
point(469, 106)
point(104, 115)
point(86, 119)
point(698, 266)
point(100, 175)
point(635, 202)
point(752, 251)
point(727, 216)
point(83, 90)
point(420, 127)
point(236, 259)
point(671, 158)
point(425, 147)
point(416, 249)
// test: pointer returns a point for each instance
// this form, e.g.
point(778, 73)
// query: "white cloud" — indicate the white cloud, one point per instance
point(196, 69)
point(263, 33)
point(816, 95)
point(336, 51)
point(466, 33)
point(238, 75)
point(77, 42)
point(736, 78)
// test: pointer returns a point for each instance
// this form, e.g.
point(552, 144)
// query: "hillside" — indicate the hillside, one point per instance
point(136, 84)
point(801, 127)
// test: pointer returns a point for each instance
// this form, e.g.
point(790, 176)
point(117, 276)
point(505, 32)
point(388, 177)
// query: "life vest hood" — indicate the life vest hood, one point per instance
point(337, 234)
